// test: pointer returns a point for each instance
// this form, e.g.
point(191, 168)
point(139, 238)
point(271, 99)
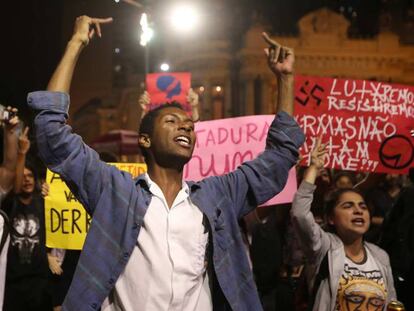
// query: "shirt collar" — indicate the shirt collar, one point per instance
point(154, 188)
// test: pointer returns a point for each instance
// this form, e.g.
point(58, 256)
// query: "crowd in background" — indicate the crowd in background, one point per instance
point(33, 277)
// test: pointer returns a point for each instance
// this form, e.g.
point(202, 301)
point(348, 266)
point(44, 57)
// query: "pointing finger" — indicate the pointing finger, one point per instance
point(268, 40)
point(102, 20)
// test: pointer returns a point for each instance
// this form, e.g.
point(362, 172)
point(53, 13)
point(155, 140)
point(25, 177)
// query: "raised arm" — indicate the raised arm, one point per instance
point(259, 180)
point(62, 151)
point(281, 60)
point(313, 239)
point(85, 28)
point(23, 149)
point(8, 168)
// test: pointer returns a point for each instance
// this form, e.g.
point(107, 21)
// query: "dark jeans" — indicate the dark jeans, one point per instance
point(30, 294)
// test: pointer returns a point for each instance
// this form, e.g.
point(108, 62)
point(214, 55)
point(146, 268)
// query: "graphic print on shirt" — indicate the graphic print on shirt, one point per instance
point(361, 290)
point(25, 236)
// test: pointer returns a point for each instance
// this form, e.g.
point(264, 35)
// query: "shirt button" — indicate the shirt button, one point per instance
point(94, 305)
point(134, 226)
point(111, 281)
point(126, 255)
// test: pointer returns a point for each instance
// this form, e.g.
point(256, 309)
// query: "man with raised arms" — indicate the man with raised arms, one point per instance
point(157, 242)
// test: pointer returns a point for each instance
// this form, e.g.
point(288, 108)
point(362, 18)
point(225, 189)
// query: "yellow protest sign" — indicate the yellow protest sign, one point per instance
point(67, 222)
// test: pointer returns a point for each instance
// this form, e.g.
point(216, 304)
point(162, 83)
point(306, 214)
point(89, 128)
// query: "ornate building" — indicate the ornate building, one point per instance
point(234, 80)
point(322, 48)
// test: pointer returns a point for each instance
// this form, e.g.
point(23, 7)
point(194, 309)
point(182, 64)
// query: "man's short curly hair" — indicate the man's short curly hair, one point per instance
point(148, 121)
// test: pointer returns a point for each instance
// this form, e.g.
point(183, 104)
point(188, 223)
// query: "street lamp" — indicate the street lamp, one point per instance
point(146, 31)
point(164, 67)
point(145, 37)
point(184, 18)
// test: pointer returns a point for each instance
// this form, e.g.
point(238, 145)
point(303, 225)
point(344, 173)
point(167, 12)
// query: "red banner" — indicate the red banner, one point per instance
point(169, 87)
point(365, 124)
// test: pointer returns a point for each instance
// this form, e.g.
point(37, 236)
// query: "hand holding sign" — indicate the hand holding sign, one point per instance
point(280, 58)
point(144, 103)
point(192, 99)
point(169, 87)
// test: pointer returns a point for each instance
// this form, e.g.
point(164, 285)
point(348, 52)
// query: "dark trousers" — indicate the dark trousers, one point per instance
point(29, 294)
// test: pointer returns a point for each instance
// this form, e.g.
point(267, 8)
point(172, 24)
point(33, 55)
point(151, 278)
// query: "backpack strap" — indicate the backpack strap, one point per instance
point(323, 273)
point(6, 230)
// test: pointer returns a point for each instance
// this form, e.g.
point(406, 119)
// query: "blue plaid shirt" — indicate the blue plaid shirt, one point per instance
point(118, 204)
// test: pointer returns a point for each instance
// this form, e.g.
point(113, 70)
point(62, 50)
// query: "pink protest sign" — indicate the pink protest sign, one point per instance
point(222, 145)
point(168, 87)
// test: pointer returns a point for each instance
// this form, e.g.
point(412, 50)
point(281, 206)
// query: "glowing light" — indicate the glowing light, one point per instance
point(146, 31)
point(184, 18)
point(201, 88)
point(117, 50)
point(218, 88)
point(165, 67)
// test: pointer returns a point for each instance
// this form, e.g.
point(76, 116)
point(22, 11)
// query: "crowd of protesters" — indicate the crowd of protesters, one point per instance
point(297, 252)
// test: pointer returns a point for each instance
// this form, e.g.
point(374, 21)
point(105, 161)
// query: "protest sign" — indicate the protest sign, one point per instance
point(365, 124)
point(67, 222)
point(168, 87)
point(222, 145)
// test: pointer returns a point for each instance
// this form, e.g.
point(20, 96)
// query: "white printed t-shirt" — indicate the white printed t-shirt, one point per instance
point(361, 286)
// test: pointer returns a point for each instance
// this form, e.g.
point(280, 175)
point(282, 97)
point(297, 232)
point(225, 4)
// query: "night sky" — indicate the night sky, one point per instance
point(32, 31)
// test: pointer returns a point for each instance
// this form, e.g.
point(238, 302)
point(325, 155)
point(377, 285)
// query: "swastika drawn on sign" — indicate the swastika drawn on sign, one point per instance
point(313, 94)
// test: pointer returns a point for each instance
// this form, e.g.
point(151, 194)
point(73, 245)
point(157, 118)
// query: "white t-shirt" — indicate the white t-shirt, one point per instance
point(3, 262)
point(361, 286)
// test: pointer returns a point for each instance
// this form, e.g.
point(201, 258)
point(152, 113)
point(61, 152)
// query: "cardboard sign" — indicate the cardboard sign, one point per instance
point(222, 145)
point(365, 124)
point(67, 222)
point(169, 87)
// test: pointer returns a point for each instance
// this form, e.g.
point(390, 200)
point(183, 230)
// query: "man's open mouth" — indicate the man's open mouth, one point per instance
point(183, 141)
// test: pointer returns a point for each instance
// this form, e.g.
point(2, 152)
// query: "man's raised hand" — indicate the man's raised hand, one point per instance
point(279, 58)
point(85, 28)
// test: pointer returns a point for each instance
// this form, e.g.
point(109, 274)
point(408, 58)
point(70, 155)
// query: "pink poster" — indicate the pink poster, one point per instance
point(222, 145)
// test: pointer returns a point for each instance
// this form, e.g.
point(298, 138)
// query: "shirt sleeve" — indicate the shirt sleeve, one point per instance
point(313, 238)
point(64, 152)
point(257, 181)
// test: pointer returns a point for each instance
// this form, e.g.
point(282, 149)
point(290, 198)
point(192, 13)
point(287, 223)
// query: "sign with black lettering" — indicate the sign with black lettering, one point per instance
point(67, 222)
point(365, 124)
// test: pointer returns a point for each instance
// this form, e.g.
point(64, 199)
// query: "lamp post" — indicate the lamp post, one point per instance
point(184, 18)
point(145, 38)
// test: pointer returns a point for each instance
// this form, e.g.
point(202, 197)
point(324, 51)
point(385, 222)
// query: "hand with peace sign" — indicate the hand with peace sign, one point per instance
point(317, 161)
point(24, 142)
point(318, 154)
